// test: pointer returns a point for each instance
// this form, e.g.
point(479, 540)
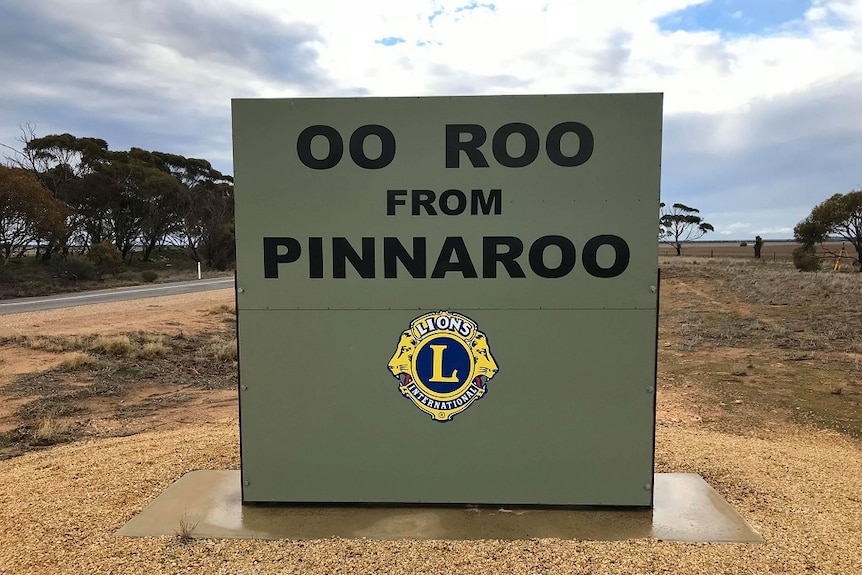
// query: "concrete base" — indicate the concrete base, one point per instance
point(685, 509)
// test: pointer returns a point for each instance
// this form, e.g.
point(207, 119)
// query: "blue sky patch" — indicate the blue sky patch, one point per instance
point(475, 4)
point(433, 15)
point(735, 17)
point(471, 5)
point(390, 41)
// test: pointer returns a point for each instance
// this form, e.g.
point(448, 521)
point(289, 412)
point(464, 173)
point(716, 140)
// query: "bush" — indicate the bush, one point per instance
point(805, 259)
point(105, 256)
point(77, 268)
point(149, 276)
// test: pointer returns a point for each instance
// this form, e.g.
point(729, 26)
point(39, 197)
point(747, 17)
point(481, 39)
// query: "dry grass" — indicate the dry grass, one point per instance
point(52, 344)
point(220, 348)
point(186, 531)
point(222, 309)
point(783, 342)
point(757, 300)
point(49, 430)
point(153, 349)
point(79, 361)
point(116, 345)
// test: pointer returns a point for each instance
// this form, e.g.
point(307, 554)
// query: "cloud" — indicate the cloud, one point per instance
point(785, 155)
point(781, 231)
point(154, 75)
point(734, 228)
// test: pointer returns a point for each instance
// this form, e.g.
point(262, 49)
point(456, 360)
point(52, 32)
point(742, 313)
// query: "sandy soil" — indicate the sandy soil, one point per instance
point(160, 401)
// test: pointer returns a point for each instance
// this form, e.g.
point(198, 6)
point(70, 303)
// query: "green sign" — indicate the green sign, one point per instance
point(448, 300)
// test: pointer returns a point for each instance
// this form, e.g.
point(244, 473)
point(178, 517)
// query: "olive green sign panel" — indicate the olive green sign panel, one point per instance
point(448, 300)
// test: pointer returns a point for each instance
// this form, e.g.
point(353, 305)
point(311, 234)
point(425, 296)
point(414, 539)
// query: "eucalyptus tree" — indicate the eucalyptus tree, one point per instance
point(680, 223)
point(28, 212)
point(839, 216)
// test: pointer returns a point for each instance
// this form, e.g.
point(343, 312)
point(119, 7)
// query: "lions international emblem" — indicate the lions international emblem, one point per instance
point(443, 364)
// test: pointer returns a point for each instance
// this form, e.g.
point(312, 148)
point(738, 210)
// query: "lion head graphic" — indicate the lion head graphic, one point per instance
point(400, 362)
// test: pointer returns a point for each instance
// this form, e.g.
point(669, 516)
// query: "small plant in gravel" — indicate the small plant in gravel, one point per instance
point(186, 531)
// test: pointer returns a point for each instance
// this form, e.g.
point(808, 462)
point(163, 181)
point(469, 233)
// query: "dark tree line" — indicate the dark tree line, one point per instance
point(84, 194)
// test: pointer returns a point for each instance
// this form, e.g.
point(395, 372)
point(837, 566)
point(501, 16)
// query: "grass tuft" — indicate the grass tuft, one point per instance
point(49, 430)
point(153, 349)
point(186, 531)
point(221, 309)
point(118, 345)
point(220, 348)
point(79, 361)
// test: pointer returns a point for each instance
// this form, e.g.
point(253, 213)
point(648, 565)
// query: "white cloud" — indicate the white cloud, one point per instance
point(564, 48)
point(734, 228)
point(781, 231)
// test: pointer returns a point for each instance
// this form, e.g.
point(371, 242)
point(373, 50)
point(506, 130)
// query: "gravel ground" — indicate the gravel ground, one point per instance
point(59, 508)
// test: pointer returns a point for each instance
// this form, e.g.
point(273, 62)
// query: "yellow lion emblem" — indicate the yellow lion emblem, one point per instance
point(443, 363)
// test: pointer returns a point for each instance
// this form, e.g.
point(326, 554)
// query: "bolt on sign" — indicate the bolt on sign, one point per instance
point(448, 299)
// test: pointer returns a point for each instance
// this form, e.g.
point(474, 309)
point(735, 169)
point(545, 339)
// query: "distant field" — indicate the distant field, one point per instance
point(772, 251)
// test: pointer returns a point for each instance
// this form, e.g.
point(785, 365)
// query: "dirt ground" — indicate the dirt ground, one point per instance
point(116, 369)
point(760, 383)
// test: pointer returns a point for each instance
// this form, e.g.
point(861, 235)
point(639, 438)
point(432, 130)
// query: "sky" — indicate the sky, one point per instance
point(762, 98)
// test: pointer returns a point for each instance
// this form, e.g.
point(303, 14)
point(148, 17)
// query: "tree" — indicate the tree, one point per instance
point(60, 161)
point(841, 216)
point(28, 212)
point(131, 198)
point(159, 191)
point(206, 208)
point(682, 224)
point(208, 223)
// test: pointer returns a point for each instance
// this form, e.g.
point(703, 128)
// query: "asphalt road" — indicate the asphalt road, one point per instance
point(26, 304)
